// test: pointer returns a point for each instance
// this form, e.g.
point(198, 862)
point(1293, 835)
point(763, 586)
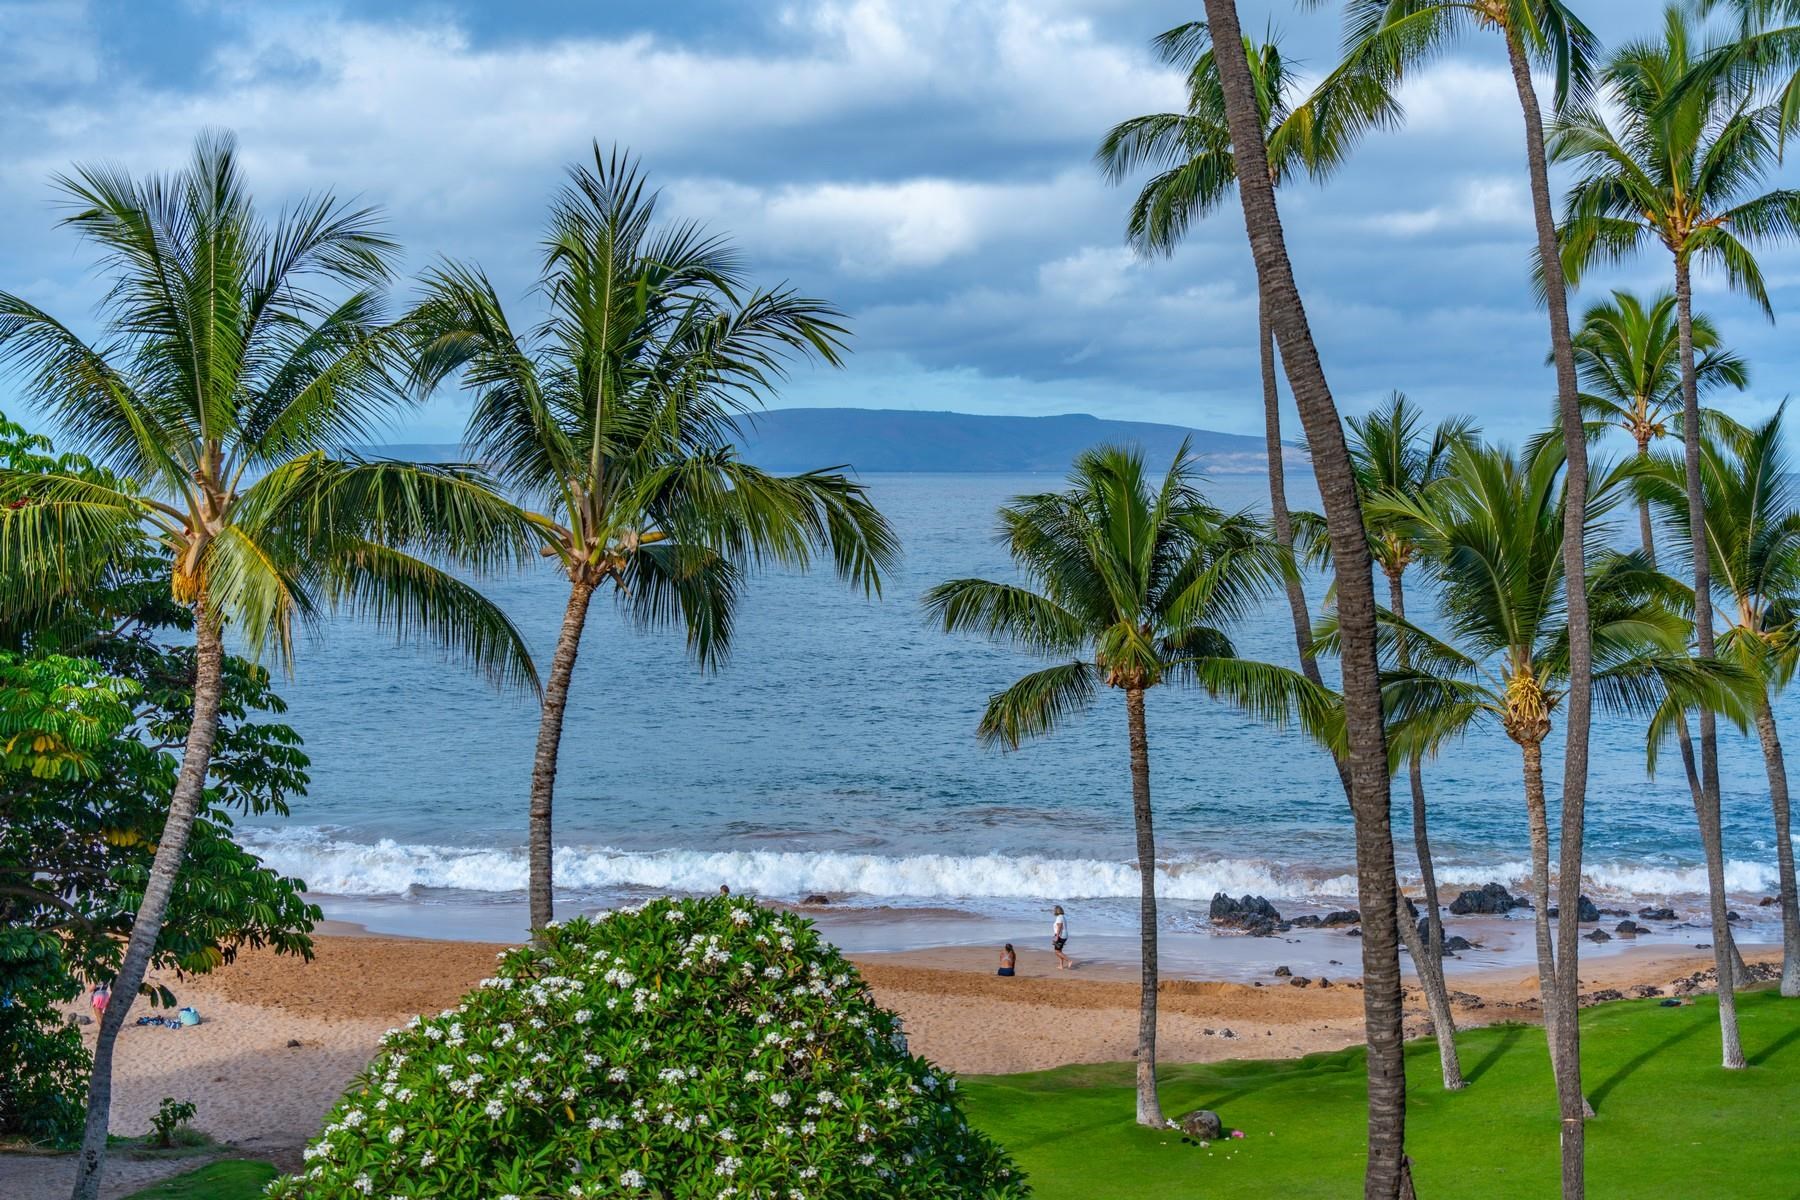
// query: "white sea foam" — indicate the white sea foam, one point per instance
point(337, 866)
point(387, 867)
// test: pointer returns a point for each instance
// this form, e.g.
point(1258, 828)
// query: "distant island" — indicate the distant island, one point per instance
point(878, 440)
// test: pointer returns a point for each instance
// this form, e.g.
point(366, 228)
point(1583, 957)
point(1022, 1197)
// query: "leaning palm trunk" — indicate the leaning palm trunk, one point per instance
point(1281, 517)
point(1706, 801)
point(1149, 1108)
point(1388, 1173)
point(1428, 958)
point(146, 927)
point(549, 742)
point(1579, 702)
point(1784, 846)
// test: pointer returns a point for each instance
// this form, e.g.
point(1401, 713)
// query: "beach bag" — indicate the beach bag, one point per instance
point(189, 1016)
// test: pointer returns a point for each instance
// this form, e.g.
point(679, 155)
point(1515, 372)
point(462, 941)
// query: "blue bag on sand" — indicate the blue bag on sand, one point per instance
point(189, 1016)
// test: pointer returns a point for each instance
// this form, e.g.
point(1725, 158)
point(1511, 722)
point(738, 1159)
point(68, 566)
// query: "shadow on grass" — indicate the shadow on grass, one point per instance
point(1598, 1096)
point(1495, 1053)
point(1775, 1047)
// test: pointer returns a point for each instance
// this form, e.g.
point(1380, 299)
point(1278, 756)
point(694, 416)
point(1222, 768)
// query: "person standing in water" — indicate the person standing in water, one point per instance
point(1059, 937)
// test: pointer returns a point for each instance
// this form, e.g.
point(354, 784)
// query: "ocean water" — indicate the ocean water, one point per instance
point(836, 753)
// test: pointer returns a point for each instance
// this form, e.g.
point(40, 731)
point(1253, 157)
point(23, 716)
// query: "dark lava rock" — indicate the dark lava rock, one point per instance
point(1731, 916)
point(817, 898)
point(1309, 921)
point(1251, 914)
point(1456, 944)
point(1584, 910)
point(1629, 929)
point(1643, 991)
point(1767, 902)
point(1324, 982)
point(1657, 914)
point(1300, 981)
point(1282, 973)
point(293, 1043)
point(1203, 1124)
point(1353, 933)
point(1488, 900)
point(1598, 935)
point(1226, 1033)
point(1347, 916)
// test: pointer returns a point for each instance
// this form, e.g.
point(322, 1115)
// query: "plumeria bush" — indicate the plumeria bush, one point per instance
point(686, 1049)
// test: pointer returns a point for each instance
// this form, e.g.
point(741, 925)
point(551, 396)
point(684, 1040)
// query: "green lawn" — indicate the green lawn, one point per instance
point(1670, 1122)
point(233, 1179)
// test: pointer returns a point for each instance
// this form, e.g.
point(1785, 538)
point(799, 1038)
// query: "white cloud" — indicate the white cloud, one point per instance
point(1487, 203)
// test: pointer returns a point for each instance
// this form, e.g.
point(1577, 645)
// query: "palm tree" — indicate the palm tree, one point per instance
point(1394, 456)
point(1628, 357)
point(1195, 173)
point(1384, 41)
point(1132, 577)
point(227, 376)
point(613, 417)
point(1364, 760)
point(1493, 532)
point(1752, 534)
point(1681, 169)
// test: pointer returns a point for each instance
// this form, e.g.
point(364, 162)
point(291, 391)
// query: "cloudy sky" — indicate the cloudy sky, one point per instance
point(925, 164)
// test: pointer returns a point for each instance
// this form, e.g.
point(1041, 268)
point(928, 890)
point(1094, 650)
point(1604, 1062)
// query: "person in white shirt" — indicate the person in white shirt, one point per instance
point(1059, 937)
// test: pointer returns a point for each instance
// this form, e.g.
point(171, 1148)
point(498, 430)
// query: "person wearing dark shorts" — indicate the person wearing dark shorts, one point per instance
point(1059, 937)
point(1007, 961)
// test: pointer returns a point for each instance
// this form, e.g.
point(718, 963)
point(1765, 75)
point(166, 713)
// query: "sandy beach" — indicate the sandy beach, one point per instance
point(282, 1038)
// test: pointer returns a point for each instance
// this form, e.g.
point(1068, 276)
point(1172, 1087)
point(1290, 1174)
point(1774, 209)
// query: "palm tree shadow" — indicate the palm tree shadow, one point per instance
point(1507, 1041)
point(1599, 1094)
point(1776, 1047)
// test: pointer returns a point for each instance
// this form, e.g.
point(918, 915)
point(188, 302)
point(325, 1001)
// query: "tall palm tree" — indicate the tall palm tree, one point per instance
point(1195, 173)
point(1133, 577)
point(228, 374)
point(614, 418)
point(1682, 170)
point(1628, 357)
point(1395, 456)
point(1752, 534)
point(1364, 759)
point(1385, 40)
point(1493, 531)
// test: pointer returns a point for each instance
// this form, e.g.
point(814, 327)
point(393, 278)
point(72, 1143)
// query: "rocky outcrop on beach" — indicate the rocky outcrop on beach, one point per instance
point(1585, 910)
point(1250, 914)
point(1489, 900)
point(1656, 914)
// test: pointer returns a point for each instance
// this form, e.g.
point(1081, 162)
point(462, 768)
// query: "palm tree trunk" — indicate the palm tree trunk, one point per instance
point(1706, 804)
point(1388, 1173)
point(1578, 703)
point(1281, 518)
point(1538, 819)
point(146, 927)
point(1770, 737)
point(1149, 1108)
point(1429, 958)
point(549, 743)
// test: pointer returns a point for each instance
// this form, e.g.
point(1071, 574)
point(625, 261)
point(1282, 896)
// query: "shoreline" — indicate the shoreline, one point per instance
point(282, 1037)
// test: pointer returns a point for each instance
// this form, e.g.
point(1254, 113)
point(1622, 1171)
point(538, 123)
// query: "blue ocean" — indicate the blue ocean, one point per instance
point(835, 753)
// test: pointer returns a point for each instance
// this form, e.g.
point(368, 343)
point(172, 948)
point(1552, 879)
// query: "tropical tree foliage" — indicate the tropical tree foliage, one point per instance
point(1681, 163)
point(1752, 534)
point(237, 354)
point(613, 419)
point(1129, 579)
point(1492, 531)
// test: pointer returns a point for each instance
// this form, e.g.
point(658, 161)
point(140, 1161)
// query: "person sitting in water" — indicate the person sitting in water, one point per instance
point(1007, 959)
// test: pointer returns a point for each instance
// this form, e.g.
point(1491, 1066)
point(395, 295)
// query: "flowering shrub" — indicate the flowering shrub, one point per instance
point(690, 1048)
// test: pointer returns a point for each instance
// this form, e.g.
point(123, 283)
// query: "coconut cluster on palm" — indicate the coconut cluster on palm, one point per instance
point(686, 1048)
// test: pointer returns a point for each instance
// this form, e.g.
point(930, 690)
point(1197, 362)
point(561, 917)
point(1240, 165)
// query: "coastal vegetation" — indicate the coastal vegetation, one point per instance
point(684, 1048)
point(613, 420)
point(1135, 577)
point(149, 584)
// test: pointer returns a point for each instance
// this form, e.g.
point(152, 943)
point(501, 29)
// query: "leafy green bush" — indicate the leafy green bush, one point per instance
point(43, 1063)
point(171, 1117)
point(693, 1048)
